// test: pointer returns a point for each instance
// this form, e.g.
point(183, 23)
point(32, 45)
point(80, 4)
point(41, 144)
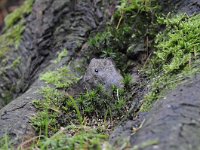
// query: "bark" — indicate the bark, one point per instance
point(174, 121)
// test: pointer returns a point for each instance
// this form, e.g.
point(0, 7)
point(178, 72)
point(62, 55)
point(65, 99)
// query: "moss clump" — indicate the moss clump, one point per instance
point(16, 62)
point(58, 109)
point(132, 23)
point(14, 27)
point(61, 78)
point(12, 37)
point(61, 55)
point(177, 55)
point(92, 109)
point(19, 13)
point(74, 137)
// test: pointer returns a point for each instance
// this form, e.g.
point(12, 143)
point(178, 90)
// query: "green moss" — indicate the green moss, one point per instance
point(12, 66)
point(61, 55)
point(48, 111)
point(7, 96)
point(16, 62)
point(5, 142)
point(61, 78)
point(14, 27)
point(127, 6)
point(96, 104)
point(58, 110)
point(81, 137)
point(19, 13)
point(12, 37)
point(131, 25)
point(177, 56)
point(95, 108)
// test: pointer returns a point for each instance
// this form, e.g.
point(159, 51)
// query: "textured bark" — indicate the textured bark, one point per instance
point(180, 6)
point(174, 121)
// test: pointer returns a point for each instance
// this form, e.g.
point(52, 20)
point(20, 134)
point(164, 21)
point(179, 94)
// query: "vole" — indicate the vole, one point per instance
point(99, 72)
point(104, 72)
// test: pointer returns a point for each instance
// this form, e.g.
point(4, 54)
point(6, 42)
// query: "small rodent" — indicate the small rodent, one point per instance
point(104, 72)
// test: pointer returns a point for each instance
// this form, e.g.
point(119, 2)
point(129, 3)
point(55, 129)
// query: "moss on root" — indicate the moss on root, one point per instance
point(11, 38)
point(14, 27)
point(19, 14)
point(177, 56)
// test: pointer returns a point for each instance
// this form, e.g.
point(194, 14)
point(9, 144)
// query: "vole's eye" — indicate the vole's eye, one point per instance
point(96, 70)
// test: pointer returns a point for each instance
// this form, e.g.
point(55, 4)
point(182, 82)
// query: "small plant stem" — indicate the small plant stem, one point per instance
point(120, 20)
point(80, 118)
point(46, 124)
point(21, 146)
point(118, 94)
point(6, 142)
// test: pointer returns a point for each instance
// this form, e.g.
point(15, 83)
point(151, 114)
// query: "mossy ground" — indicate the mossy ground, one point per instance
point(74, 137)
point(131, 24)
point(14, 27)
point(83, 122)
point(95, 110)
point(176, 56)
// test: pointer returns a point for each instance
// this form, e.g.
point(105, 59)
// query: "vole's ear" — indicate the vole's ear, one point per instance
point(109, 61)
point(93, 60)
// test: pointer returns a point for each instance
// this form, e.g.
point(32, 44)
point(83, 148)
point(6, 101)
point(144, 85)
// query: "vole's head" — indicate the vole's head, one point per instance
point(103, 71)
